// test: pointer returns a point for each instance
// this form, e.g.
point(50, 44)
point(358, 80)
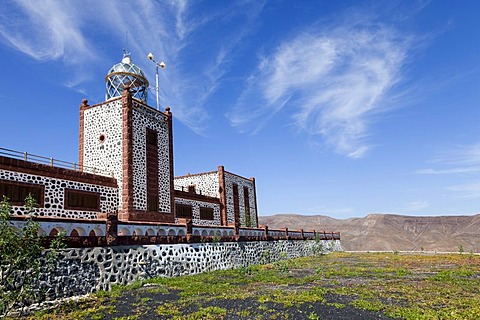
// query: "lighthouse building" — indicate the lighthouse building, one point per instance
point(125, 172)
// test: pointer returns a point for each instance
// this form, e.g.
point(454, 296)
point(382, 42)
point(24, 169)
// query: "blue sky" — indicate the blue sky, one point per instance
point(340, 108)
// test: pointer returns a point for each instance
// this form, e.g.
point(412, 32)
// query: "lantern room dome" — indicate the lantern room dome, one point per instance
point(125, 73)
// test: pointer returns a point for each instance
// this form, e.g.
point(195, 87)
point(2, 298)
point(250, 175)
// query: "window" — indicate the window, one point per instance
point(191, 189)
point(206, 213)
point(152, 170)
point(246, 200)
point(183, 211)
point(16, 192)
point(151, 137)
point(236, 203)
point(152, 203)
point(81, 200)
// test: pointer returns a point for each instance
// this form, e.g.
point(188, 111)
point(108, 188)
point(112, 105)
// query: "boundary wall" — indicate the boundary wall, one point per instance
point(86, 270)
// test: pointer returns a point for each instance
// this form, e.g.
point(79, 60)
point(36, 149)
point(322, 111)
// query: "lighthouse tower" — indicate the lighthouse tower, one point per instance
point(126, 136)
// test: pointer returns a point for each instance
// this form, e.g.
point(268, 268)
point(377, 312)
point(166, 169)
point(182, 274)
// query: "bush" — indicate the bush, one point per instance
point(22, 255)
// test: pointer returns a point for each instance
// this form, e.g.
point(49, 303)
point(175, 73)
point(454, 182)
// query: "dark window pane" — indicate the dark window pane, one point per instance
point(183, 211)
point(81, 200)
point(17, 192)
point(206, 213)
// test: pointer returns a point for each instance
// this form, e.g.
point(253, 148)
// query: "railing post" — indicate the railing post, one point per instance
point(74, 166)
point(25, 156)
point(51, 162)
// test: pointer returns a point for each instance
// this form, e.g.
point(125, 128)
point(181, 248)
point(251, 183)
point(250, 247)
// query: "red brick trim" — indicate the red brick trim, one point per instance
point(17, 165)
point(195, 197)
point(145, 216)
point(127, 152)
point(170, 156)
point(223, 195)
point(76, 222)
point(81, 134)
point(255, 199)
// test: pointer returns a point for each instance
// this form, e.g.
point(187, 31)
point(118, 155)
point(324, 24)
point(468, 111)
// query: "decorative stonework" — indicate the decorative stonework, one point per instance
point(196, 211)
point(53, 202)
point(152, 230)
point(82, 228)
point(87, 270)
point(230, 179)
point(144, 117)
point(205, 183)
point(106, 154)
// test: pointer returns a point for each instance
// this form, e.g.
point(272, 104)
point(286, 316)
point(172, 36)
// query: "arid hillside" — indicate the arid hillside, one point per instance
point(391, 232)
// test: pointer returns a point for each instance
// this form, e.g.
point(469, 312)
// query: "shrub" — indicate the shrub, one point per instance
point(21, 258)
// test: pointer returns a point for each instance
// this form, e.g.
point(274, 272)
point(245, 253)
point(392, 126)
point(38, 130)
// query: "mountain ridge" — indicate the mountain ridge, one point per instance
point(378, 231)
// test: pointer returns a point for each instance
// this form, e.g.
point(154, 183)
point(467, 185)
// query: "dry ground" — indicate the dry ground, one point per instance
point(334, 286)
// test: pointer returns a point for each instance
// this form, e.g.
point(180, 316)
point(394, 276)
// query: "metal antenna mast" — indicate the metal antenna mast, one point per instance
point(161, 65)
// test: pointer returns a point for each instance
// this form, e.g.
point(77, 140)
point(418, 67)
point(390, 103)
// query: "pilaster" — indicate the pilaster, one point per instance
point(127, 154)
point(223, 195)
point(81, 135)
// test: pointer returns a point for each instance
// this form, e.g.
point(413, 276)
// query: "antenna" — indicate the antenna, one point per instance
point(161, 65)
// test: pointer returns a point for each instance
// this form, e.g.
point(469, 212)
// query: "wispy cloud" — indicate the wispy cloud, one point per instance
point(459, 162)
point(334, 79)
point(79, 35)
point(466, 190)
point(463, 159)
point(44, 30)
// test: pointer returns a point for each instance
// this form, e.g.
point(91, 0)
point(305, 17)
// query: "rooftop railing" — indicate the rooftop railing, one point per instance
point(188, 189)
point(52, 162)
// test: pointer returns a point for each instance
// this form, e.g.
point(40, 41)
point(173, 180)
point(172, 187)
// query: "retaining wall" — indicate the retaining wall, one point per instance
point(86, 270)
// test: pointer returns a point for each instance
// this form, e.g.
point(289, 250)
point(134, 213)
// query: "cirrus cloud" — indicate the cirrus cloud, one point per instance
point(337, 78)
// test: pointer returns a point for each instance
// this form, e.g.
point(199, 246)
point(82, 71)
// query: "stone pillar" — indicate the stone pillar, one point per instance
point(81, 136)
point(189, 226)
point(255, 197)
point(223, 195)
point(111, 227)
point(127, 155)
point(170, 159)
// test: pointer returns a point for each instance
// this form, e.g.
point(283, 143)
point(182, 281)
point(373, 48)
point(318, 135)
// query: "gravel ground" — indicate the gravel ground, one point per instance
point(143, 303)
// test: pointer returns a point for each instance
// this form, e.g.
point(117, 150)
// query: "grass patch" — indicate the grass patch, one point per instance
point(398, 285)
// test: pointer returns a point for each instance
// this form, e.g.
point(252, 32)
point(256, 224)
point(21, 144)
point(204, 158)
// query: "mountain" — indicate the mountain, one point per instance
point(390, 232)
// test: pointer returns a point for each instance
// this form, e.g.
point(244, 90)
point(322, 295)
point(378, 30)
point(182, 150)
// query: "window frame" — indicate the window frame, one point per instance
point(180, 213)
point(67, 197)
point(211, 213)
point(18, 202)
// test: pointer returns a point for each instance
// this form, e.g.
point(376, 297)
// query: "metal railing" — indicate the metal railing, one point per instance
point(52, 162)
point(187, 189)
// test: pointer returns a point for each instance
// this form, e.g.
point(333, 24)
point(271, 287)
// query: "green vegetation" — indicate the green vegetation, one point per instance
point(21, 256)
point(398, 285)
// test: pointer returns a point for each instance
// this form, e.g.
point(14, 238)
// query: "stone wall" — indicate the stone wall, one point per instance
point(54, 203)
point(85, 270)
